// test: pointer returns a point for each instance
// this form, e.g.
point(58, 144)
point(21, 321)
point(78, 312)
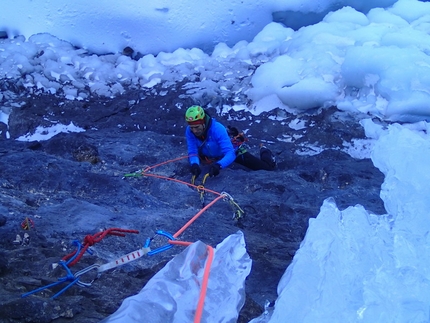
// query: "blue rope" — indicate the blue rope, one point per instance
point(69, 276)
point(73, 279)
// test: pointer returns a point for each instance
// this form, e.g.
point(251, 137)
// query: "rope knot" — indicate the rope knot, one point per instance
point(89, 239)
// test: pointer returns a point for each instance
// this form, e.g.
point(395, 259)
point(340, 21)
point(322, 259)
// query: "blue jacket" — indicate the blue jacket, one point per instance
point(216, 145)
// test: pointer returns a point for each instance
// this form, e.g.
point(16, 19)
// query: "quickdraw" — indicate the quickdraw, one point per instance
point(145, 250)
point(90, 240)
point(201, 188)
point(76, 278)
point(238, 213)
point(72, 258)
point(69, 260)
point(138, 173)
point(159, 249)
point(72, 278)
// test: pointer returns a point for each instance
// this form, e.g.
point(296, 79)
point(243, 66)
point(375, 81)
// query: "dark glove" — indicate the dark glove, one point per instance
point(214, 170)
point(195, 170)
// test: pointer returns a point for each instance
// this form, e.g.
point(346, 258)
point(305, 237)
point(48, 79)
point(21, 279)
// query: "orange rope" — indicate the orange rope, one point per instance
point(197, 215)
point(164, 163)
point(201, 303)
point(205, 280)
point(182, 182)
point(180, 243)
point(202, 297)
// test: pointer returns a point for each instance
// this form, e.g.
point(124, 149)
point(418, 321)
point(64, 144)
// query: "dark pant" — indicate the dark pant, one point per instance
point(250, 161)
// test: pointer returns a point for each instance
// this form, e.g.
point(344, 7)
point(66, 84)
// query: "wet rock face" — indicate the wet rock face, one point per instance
point(73, 185)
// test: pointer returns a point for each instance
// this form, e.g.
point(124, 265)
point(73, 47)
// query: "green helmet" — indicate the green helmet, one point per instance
point(195, 113)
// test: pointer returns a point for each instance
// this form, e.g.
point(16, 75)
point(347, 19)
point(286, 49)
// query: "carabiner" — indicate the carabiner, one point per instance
point(79, 273)
point(162, 248)
point(238, 212)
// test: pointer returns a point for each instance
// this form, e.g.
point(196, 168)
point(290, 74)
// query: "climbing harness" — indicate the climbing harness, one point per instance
point(238, 140)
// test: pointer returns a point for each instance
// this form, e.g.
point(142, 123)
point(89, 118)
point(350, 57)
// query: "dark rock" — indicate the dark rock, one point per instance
point(38, 310)
point(128, 51)
point(4, 264)
point(3, 131)
point(86, 153)
point(77, 184)
point(3, 220)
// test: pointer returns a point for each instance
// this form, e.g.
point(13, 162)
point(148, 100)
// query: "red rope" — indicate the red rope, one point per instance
point(90, 240)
